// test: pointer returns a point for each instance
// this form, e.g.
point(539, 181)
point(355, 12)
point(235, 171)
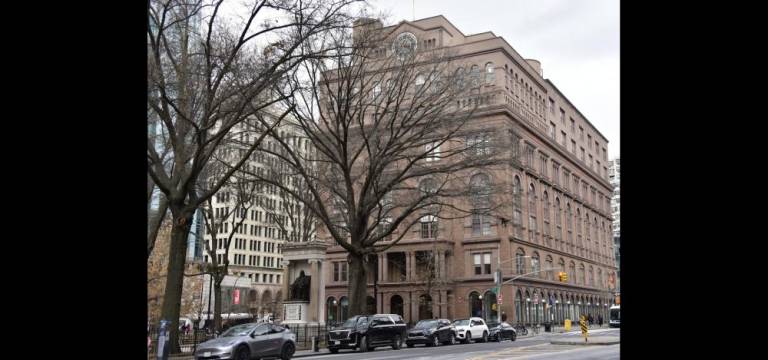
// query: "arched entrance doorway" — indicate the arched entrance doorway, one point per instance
point(490, 312)
point(518, 307)
point(344, 308)
point(425, 307)
point(475, 305)
point(396, 305)
point(370, 305)
point(331, 310)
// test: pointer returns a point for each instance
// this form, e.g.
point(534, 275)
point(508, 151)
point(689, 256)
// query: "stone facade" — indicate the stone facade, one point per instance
point(558, 213)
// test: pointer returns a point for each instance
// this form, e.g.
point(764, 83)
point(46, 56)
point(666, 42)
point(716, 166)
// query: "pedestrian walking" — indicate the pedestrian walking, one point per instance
point(600, 320)
point(589, 319)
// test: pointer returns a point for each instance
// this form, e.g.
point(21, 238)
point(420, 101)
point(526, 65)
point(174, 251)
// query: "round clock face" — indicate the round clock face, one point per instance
point(405, 45)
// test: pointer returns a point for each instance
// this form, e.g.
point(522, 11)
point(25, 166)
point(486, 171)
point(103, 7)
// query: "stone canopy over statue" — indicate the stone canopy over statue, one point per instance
point(300, 287)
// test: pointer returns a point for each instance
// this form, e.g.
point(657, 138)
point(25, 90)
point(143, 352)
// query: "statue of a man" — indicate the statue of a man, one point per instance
point(300, 287)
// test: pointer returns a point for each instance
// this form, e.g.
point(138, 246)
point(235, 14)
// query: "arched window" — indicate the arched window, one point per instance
point(425, 307)
point(428, 227)
point(569, 227)
point(419, 81)
point(459, 78)
point(376, 89)
point(480, 189)
point(520, 261)
point(558, 222)
point(535, 264)
point(370, 305)
point(527, 312)
point(518, 307)
point(475, 305)
point(396, 305)
point(578, 228)
point(601, 285)
point(517, 206)
point(545, 205)
point(344, 311)
point(331, 310)
point(550, 272)
point(532, 213)
point(561, 265)
point(582, 275)
point(474, 75)
point(427, 187)
point(490, 312)
point(490, 76)
point(591, 276)
point(572, 273)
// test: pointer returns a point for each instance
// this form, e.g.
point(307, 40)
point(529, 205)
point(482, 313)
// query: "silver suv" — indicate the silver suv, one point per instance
point(247, 341)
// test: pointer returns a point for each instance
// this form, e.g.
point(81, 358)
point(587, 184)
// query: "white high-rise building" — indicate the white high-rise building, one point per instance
point(255, 256)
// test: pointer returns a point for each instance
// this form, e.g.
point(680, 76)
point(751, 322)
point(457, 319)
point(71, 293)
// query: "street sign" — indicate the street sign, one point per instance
point(237, 297)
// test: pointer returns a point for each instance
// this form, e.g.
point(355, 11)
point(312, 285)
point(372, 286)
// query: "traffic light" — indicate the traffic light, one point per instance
point(563, 276)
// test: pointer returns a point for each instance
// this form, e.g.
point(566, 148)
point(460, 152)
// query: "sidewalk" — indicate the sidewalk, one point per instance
point(298, 354)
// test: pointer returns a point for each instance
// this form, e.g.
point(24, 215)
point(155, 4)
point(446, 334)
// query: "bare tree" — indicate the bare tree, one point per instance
point(208, 73)
point(222, 224)
point(388, 140)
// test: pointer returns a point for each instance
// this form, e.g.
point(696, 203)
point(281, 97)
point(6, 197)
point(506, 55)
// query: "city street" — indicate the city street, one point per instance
point(536, 347)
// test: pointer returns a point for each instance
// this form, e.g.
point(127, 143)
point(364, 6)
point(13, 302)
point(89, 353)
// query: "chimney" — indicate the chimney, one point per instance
point(536, 65)
point(362, 26)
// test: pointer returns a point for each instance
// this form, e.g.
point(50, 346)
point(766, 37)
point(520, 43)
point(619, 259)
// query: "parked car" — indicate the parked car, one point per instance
point(247, 341)
point(366, 332)
point(432, 333)
point(503, 331)
point(472, 329)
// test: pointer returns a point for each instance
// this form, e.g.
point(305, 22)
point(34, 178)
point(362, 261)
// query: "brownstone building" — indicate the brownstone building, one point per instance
point(557, 216)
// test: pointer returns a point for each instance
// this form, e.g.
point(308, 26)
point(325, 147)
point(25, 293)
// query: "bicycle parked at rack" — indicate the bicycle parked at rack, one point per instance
point(521, 330)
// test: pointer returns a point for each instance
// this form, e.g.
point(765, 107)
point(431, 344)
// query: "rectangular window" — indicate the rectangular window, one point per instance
point(589, 141)
point(555, 173)
point(562, 116)
point(552, 130)
point(564, 138)
point(487, 263)
point(433, 151)
point(573, 146)
point(582, 155)
point(581, 133)
point(478, 264)
point(481, 225)
point(482, 263)
point(573, 125)
point(543, 166)
point(590, 161)
point(343, 271)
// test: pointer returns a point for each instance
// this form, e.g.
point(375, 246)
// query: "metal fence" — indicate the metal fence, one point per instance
point(189, 340)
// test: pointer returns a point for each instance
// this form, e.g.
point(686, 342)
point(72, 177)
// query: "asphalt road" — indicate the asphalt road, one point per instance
point(537, 347)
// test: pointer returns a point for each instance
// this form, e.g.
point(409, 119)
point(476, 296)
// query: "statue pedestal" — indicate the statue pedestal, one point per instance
point(295, 312)
point(304, 283)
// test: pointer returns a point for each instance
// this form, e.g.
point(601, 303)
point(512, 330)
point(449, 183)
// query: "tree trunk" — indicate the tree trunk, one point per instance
point(175, 276)
point(357, 285)
point(217, 303)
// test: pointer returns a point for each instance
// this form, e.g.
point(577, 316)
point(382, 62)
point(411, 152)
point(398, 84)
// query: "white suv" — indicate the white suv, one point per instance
point(471, 329)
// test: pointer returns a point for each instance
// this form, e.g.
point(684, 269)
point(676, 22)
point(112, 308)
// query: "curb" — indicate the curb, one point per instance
point(610, 342)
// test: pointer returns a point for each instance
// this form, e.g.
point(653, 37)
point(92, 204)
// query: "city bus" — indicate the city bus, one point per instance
point(614, 316)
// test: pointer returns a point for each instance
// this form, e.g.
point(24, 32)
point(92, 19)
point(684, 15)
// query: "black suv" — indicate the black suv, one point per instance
point(432, 333)
point(366, 332)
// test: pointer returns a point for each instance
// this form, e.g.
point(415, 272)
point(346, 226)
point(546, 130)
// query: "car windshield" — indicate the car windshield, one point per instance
point(350, 323)
point(239, 330)
point(426, 324)
point(492, 324)
point(464, 322)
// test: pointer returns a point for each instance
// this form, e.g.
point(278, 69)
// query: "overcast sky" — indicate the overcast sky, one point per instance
point(577, 43)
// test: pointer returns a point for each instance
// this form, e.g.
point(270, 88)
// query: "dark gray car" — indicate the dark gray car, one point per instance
point(248, 341)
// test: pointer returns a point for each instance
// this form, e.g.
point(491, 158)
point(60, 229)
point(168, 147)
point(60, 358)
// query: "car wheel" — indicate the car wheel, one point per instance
point(397, 343)
point(364, 344)
point(333, 350)
point(485, 336)
point(288, 350)
point(451, 339)
point(435, 341)
point(242, 353)
point(498, 337)
point(513, 337)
